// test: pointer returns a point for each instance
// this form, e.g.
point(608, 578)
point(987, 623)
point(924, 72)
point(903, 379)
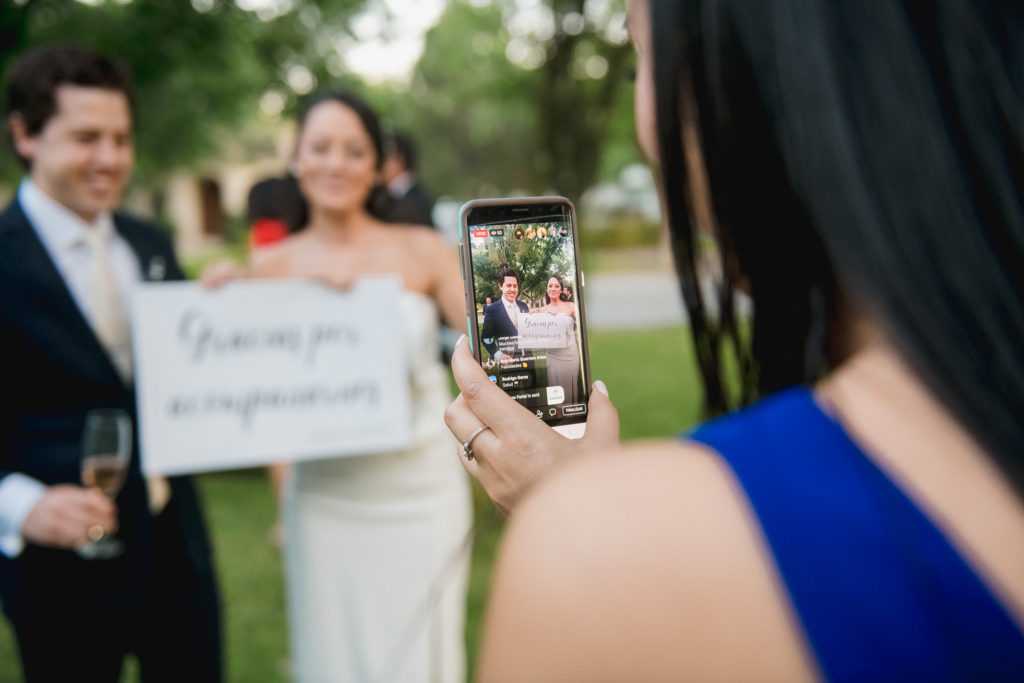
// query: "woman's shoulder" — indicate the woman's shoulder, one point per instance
point(659, 536)
point(411, 234)
point(679, 480)
point(668, 466)
point(417, 243)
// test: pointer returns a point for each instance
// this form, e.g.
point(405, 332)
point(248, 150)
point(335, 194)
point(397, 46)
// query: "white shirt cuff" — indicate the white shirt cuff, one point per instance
point(19, 493)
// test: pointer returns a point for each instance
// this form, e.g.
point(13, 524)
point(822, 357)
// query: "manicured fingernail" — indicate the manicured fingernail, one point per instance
point(459, 340)
point(599, 385)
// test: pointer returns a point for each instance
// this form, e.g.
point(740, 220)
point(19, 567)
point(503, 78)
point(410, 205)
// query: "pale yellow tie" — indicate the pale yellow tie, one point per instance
point(109, 317)
point(113, 328)
point(513, 314)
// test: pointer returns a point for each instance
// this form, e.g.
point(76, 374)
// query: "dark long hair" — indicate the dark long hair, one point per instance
point(561, 283)
point(377, 202)
point(858, 153)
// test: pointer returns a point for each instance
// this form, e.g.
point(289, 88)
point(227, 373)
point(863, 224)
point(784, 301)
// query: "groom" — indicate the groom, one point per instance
point(67, 266)
point(500, 332)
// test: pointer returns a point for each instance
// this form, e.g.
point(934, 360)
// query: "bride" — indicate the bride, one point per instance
point(564, 362)
point(373, 591)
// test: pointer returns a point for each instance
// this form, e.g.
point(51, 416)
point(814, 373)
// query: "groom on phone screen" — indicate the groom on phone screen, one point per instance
point(68, 264)
point(500, 332)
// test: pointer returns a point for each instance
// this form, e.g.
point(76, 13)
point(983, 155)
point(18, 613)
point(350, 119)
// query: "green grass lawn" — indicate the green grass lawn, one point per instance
point(653, 382)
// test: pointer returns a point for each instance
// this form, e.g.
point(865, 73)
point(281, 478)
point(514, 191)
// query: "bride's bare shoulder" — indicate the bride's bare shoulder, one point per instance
point(645, 557)
point(422, 238)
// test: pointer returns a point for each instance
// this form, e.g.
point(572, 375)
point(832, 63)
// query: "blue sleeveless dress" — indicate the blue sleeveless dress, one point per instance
point(880, 592)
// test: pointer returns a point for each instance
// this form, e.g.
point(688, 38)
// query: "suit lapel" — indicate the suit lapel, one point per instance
point(38, 296)
point(152, 264)
point(504, 313)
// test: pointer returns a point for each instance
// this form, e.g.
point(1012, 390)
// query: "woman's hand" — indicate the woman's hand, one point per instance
point(342, 282)
point(517, 449)
point(218, 274)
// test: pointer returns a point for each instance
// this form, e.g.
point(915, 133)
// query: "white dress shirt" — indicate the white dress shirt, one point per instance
point(60, 231)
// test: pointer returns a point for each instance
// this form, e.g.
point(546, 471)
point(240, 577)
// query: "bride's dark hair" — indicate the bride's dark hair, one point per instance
point(858, 153)
point(561, 283)
point(377, 201)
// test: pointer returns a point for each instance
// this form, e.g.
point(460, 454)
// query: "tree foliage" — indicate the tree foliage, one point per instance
point(200, 67)
point(533, 260)
point(545, 124)
point(508, 96)
point(577, 108)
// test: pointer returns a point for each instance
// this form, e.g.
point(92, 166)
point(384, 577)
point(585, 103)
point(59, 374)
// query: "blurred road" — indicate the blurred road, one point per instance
point(633, 300)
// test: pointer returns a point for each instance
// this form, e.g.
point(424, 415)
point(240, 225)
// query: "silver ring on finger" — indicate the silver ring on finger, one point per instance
point(466, 449)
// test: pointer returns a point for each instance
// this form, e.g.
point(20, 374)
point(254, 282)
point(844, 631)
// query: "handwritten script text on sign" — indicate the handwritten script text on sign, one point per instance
point(264, 371)
point(542, 331)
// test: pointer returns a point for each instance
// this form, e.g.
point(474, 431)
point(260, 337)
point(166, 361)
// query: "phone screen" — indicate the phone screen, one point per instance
point(525, 304)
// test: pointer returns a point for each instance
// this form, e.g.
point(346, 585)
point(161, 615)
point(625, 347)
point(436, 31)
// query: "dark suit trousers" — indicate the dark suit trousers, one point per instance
point(173, 628)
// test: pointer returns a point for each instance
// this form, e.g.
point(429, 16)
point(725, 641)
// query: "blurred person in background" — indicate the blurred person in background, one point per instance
point(375, 562)
point(68, 264)
point(410, 202)
point(864, 519)
point(276, 209)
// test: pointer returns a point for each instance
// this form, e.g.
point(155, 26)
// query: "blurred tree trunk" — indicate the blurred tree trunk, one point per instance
point(13, 30)
point(13, 38)
point(575, 109)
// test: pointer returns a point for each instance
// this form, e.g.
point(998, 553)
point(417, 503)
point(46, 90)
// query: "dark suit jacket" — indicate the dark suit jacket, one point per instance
point(55, 370)
point(497, 324)
point(415, 206)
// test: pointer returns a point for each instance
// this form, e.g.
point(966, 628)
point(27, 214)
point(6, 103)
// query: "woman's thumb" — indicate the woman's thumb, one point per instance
point(602, 419)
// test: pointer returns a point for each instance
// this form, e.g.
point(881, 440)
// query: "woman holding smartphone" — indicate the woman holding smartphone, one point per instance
point(373, 592)
point(863, 520)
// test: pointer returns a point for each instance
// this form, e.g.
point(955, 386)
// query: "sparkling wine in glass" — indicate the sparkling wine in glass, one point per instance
point(106, 449)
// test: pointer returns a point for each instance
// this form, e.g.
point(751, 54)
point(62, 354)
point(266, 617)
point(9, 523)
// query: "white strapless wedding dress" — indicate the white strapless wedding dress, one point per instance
point(375, 563)
point(563, 363)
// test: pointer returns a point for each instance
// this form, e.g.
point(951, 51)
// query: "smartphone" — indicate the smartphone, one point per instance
point(524, 296)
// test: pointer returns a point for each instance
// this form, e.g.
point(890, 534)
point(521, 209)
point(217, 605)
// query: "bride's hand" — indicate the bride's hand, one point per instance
point(218, 274)
point(517, 448)
point(342, 282)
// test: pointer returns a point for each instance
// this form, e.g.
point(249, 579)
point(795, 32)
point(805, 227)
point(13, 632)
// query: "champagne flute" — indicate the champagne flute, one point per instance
point(106, 449)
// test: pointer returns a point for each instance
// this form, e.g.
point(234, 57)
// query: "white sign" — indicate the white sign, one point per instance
point(541, 331)
point(263, 371)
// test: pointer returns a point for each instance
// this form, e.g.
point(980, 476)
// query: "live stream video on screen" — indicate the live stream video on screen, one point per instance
point(525, 285)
